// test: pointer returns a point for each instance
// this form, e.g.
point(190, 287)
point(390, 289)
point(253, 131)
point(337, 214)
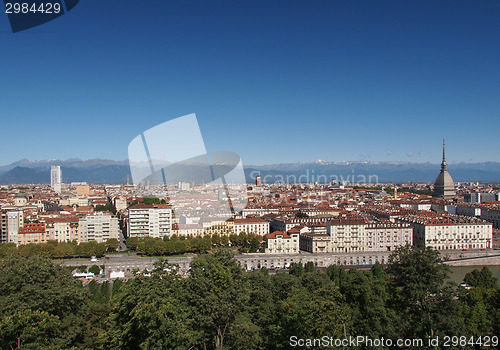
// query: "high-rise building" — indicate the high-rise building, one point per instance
point(98, 226)
point(55, 175)
point(258, 180)
point(149, 220)
point(444, 186)
point(15, 220)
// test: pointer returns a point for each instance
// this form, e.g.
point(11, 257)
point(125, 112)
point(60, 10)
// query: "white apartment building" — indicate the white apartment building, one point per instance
point(283, 242)
point(251, 225)
point(55, 175)
point(387, 236)
point(98, 226)
point(451, 232)
point(149, 220)
point(15, 220)
point(347, 235)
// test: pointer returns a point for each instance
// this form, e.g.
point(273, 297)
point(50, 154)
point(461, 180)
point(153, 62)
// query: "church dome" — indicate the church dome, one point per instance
point(444, 186)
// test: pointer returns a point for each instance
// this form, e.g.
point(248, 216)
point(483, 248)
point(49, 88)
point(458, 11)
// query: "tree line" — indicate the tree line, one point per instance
point(220, 306)
point(173, 245)
point(57, 249)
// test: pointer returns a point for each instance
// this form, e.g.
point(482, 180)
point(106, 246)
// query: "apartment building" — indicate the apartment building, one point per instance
point(347, 234)
point(98, 226)
point(387, 236)
point(149, 220)
point(280, 242)
point(32, 234)
point(451, 232)
point(315, 239)
point(492, 215)
point(62, 228)
point(15, 220)
point(251, 225)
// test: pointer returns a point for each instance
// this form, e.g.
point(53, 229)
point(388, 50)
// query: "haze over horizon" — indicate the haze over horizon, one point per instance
point(316, 161)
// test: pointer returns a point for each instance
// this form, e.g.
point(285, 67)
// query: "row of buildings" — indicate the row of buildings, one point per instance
point(95, 226)
point(157, 220)
point(369, 233)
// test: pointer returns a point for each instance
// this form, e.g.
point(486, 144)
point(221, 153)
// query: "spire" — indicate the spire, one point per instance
point(444, 166)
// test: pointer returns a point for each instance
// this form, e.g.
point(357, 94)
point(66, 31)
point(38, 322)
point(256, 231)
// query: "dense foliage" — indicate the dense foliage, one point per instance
point(56, 249)
point(247, 242)
point(220, 306)
point(106, 207)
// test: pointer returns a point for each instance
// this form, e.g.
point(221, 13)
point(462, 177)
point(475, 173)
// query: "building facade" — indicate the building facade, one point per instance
point(451, 232)
point(98, 226)
point(251, 225)
point(55, 175)
point(149, 220)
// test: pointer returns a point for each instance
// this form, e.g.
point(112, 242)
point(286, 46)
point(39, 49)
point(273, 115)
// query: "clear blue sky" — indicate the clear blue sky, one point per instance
point(275, 81)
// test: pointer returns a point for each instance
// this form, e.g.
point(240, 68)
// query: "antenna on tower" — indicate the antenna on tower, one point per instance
point(444, 166)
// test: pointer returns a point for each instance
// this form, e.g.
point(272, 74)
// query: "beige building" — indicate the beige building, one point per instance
point(251, 225)
point(32, 234)
point(386, 235)
point(219, 227)
point(451, 232)
point(63, 228)
point(347, 235)
point(120, 203)
point(98, 226)
point(315, 240)
point(82, 190)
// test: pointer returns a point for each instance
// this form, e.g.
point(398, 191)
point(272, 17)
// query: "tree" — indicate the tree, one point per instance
point(29, 329)
point(309, 267)
point(107, 207)
point(425, 300)
point(216, 240)
point(151, 313)
point(217, 283)
point(112, 244)
point(337, 274)
point(254, 245)
point(132, 243)
point(37, 284)
point(95, 269)
point(117, 286)
point(482, 279)
point(296, 269)
point(224, 239)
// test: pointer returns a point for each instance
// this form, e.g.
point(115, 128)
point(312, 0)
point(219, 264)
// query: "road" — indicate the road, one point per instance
point(129, 262)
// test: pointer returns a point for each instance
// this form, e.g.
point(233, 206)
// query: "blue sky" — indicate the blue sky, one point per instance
point(275, 81)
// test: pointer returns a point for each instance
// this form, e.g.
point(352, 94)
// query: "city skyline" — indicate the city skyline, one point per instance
point(282, 82)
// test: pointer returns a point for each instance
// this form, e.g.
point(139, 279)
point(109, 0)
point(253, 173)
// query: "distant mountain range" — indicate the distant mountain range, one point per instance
point(100, 171)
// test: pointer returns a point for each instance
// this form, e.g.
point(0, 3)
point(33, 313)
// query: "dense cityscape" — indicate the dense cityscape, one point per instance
point(285, 218)
point(316, 265)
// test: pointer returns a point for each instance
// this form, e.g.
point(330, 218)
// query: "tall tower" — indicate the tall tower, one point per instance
point(258, 181)
point(55, 175)
point(444, 186)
